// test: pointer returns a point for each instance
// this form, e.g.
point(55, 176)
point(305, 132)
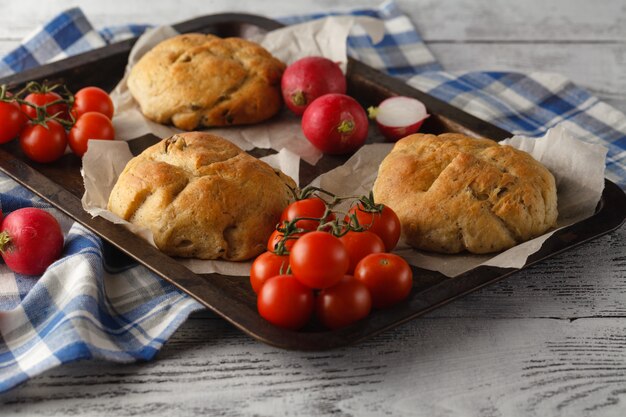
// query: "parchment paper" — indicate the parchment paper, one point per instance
point(324, 37)
point(577, 166)
point(105, 160)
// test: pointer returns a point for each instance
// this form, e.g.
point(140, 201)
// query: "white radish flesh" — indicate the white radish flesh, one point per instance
point(400, 116)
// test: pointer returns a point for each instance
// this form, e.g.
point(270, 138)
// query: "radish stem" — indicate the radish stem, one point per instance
point(4, 241)
point(346, 126)
point(298, 98)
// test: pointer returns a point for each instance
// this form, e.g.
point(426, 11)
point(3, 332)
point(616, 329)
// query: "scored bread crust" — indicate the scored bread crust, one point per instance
point(454, 193)
point(202, 197)
point(196, 80)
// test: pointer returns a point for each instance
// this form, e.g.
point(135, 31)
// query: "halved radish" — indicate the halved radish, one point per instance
point(398, 116)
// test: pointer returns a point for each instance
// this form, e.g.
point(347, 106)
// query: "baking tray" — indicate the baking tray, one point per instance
point(231, 297)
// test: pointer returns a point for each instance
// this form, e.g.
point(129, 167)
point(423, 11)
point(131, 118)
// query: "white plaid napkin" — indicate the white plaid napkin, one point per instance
point(81, 308)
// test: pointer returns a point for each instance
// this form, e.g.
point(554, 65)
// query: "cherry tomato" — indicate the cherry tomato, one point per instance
point(385, 224)
point(90, 125)
point(12, 121)
point(344, 303)
point(319, 259)
point(388, 277)
point(41, 99)
point(359, 245)
point(92, 99)
point(266, 266)
point(313, 207)
point(277, 236)
point(44, 143)
point(285, 302)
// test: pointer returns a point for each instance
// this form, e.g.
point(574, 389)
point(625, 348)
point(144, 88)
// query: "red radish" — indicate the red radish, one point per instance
point(398, 117)
point(30, 240)
point(335, 124)
point(309, 78)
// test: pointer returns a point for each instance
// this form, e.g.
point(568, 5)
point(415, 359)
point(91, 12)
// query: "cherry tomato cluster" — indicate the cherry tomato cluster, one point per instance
point(49, 118)
point(330, 265)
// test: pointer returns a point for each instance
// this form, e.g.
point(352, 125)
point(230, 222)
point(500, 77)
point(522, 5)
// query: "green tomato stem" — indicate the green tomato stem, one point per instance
point(369, 205)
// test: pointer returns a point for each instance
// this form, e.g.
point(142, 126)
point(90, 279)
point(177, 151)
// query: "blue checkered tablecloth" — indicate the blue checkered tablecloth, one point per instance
point(81, 308)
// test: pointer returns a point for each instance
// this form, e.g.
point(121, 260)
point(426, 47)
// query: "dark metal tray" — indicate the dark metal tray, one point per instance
point(60, 183)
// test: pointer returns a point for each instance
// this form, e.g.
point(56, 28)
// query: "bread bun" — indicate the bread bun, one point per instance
point(202, 80)
point(454, 193)
point(202, 197)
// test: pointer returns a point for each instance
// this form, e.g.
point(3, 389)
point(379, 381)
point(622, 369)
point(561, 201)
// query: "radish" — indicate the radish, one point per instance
point(30, 240)
point(335, 124)
point(309, 78)
point(398, 117)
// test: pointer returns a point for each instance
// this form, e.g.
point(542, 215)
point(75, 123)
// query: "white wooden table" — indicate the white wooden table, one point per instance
point(549, 341)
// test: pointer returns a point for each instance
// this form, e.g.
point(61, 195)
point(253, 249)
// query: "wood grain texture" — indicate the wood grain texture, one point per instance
point(587, 281)
point(597, 67)
point(435, 367)
point(548, 341)
point(585, 41)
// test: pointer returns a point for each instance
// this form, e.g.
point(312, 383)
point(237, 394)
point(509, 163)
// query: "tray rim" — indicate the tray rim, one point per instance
point(188, 281)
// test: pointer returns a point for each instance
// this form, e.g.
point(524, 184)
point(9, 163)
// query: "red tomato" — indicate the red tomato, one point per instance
point(359, 245)
point(90, 125)
point(313, 207)
point(319, 259)
point(266, 266)
point(42, 99)
point(277, 236)
point(44, 143)
point(385, 224)
point(388, 277)
point(344, 303)
point(285, 302)
point(92, 99)
point(12, 121)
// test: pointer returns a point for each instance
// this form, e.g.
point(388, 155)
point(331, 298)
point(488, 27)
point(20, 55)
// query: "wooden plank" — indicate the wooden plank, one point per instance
point(585, 43)
point(564, 287)
point(596, 67)
point(457, 20)
point(528, 21)
point(492, 353)
point(435, 367)
point(20, 19)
